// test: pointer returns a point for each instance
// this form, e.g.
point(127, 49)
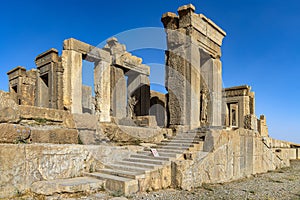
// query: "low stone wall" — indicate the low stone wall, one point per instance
point(65, 118)
point(16, 133)
point(23, 164)
point(10, 112)
point(233, 155)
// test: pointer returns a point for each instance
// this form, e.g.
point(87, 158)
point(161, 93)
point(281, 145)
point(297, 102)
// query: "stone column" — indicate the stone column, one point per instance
point(139, 86)
point(102, 90)
point(211, 70)
point(72, 80)
point(118, 92)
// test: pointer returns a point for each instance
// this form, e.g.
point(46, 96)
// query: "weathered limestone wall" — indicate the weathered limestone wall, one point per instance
point(22, 165)
point(49, 86)
point(158, 108)
point(22, 85)
point(87, 100)
point(118, 91)
point(235, 154)
point(194, 50)
point(102, 90)
point(16, 133)
point(262, 126)
point(72, 80)
point(59, 116)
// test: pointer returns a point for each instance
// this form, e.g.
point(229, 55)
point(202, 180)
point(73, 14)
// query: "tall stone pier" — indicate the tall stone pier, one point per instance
point(193, 69)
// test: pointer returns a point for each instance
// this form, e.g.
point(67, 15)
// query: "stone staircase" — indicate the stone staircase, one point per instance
point(144, 172)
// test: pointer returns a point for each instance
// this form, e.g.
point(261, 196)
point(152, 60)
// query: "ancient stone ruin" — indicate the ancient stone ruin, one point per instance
point(60, 136)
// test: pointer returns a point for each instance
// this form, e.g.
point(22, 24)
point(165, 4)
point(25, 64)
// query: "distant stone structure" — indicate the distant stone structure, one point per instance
point(203, 133)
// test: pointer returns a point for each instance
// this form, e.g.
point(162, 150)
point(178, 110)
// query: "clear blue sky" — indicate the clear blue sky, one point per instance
point(261, 48)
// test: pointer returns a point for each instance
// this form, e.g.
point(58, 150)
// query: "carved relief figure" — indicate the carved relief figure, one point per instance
point(130, 107)
point(204, 103)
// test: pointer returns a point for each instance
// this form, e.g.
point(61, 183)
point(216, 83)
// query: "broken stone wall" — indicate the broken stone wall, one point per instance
point(21, 165)
point(235, 154)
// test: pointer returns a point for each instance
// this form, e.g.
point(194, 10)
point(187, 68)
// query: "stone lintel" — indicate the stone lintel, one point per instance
point(89, 52)
point(18, 71)
point(186, 8)
point(208, 28)
point(18, 68)
point(50, 51)
point(243, 90)
point(215, 26)
point(76, 45)
point(48, 56)
point(128, 65)
point(98, 55)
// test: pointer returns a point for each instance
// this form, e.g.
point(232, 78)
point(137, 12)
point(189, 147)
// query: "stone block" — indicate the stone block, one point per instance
point(72, 185)
point(8, 109)
point(250, 122)
point(54, 135)
point(146, 121)
point(64, 118)
point(13, 133)
point(131, 134)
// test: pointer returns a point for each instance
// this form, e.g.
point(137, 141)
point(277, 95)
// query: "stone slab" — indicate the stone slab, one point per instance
point(13, 133)
point(54, 136)
point(72, 185)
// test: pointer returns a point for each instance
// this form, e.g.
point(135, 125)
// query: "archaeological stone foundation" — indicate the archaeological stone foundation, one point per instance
point(60, 136)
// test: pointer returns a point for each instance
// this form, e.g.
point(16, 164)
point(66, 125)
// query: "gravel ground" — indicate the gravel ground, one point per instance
point(281, 184)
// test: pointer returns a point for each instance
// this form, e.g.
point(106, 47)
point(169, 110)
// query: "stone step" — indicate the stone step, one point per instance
point(175, 144)
point(126, 186)
point(122, 173)
point(128, 168)
point(145, 161)
point(185, 138)
point(179, 137)
point(159, 150)
point(151, 157)
point(182, 141)
point(166, 147)
point(72, 185)
point(172, 155)
point(141, 165)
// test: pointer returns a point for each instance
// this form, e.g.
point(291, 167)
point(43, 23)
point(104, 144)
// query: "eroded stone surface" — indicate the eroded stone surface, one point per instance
point(23, 164)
